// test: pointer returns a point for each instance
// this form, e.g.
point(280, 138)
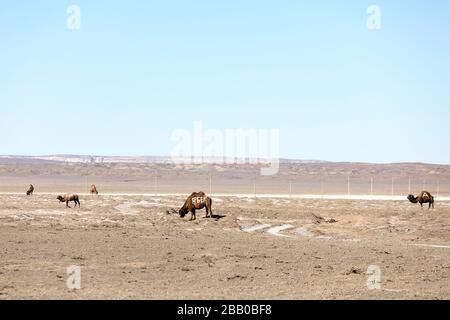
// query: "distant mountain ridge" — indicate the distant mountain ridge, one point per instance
point(71, 158)
point(111, 159)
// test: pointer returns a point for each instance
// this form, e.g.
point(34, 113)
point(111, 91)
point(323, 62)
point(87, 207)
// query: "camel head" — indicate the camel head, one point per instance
point(183, 211)
point(60, 198)
point(412, 199)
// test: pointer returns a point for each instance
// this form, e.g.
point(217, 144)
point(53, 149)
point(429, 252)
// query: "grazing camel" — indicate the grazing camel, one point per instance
point(69, 197)
point(197, 200)
point(30, 190)
point(423, 197)
point(94, 189)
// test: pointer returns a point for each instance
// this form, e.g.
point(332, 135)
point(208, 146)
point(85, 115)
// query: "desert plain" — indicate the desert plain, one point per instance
point(129, 243)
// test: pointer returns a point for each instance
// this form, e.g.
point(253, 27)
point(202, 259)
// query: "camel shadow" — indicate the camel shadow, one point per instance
point(217, 217)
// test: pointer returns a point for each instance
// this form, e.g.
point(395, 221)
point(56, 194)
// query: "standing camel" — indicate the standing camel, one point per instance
point(196, 201)
point(94, 189)
point(68, 198)
point(423, 197)
point(30, 190)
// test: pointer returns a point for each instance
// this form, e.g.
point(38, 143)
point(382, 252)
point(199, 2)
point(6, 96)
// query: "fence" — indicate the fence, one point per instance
point(213, 183)
point(252, 185)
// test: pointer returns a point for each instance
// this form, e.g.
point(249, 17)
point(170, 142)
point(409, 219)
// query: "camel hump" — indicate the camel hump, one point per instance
point(426, 194)
point(198, 194)
point(71, 196)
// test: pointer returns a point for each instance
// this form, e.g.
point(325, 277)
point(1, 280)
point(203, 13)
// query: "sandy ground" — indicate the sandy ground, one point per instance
point(129, 247)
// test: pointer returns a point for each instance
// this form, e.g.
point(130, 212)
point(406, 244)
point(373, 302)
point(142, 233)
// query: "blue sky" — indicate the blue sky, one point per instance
point(137, 70)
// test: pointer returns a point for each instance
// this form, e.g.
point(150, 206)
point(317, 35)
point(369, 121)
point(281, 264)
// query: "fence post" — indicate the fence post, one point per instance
point(409, 185)
point(156, 182)
point(348, 186)
point(210, 184)
point(438, 187)
point(392, 186)
point(290, 189)
point(371, 186)
point(321, 187)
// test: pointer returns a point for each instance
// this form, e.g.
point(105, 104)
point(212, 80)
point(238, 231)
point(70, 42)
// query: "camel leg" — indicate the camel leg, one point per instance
point(208, 208)
point(210, 212)
point(67, 204)
point(193, 217)
point(207, 212)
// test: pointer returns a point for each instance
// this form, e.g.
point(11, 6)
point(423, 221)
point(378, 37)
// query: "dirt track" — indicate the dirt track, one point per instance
point(129, 247)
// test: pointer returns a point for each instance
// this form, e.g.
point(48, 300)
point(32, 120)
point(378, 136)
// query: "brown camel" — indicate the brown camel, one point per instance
point(30, 190)
point(196, 201)
point(423, 197)
point(94, 189)
point(69, 197)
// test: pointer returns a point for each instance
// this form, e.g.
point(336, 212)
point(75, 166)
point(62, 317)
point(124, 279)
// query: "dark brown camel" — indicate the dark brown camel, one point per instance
point(69, 197)
point(423, 197)
point(196, 201)
point(30, 190)
point(94, 189)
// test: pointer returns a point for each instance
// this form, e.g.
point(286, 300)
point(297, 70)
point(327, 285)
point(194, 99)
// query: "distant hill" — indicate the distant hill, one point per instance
point(138, 165)
point(140, 174)
point(111, 159)
point(67, 158)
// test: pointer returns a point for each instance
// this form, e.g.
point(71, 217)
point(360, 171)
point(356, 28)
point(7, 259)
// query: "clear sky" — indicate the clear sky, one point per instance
point(137, 70)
